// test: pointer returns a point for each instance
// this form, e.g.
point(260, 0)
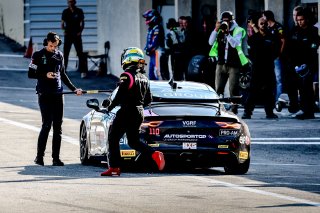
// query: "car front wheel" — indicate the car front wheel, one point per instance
point(84, 156)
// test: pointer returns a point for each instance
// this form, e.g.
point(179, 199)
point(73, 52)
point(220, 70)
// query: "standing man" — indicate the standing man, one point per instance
point(155, 46)
point(226, 40)
point(302, 49)
point(133, 94)
point(72, 23)
point(47, 67)
point(276, 29)
point(263, 81)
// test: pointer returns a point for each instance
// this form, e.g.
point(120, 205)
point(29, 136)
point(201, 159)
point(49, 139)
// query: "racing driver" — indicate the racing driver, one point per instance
point(133, 94)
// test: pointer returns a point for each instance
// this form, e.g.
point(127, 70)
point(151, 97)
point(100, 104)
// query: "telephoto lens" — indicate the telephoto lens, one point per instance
point(224, 25)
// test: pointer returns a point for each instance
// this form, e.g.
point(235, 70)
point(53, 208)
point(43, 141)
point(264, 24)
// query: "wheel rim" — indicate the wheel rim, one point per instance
point(83, 144)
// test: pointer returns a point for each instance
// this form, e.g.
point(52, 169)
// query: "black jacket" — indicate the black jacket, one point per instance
point(43, 62)
point(134, 90)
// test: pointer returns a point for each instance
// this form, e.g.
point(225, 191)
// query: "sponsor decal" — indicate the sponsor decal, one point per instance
point(33, 66)
point(248, 141)
point(154, 145)
point(189, 123)
point(223, 146)
point(189, 145)
point(228, 132)
point(243, 155)
point(242, 139)
point(128, 153)
point(183, 137)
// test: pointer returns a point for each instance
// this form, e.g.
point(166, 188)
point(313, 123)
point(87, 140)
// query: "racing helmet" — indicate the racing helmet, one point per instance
point(132, 56)
point(152, 16)
point(226, 14)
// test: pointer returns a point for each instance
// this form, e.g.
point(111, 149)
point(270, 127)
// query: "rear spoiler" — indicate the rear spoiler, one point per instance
point(235, 100)
point(228, 100)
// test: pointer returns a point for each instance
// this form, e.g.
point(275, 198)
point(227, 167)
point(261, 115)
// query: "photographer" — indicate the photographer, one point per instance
point(226, 40)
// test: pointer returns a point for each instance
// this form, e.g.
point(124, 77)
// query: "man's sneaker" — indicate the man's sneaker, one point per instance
point(111, 172)
point(158, 157)
point(57, 162)
point(39, 161)
point(272, 116)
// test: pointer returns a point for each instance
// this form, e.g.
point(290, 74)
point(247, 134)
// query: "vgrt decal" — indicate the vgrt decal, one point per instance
point(189, 123)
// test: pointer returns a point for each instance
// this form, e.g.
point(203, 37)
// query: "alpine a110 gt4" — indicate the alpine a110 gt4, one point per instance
point(187, 121)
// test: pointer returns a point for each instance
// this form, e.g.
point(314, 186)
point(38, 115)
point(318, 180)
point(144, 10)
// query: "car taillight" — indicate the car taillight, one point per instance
point(229, 125)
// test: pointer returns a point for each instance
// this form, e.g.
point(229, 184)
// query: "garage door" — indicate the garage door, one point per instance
point(44, 16)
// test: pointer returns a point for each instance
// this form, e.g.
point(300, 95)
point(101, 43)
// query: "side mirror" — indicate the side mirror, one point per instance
point(93, 104)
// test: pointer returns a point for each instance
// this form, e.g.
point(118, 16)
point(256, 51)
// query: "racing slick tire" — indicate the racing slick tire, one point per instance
point(84, 149)
point(233, 167)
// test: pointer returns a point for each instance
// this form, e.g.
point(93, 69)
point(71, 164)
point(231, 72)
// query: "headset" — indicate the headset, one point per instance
point(53, 37)
point(227, 14)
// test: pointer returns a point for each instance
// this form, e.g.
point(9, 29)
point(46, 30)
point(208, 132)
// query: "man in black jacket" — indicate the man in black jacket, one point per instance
point(302, 49)
point(47, 67)
point(132, 95)
point(72, 23)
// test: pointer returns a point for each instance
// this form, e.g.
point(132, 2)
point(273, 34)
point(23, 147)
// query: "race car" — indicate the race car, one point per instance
point(187, 121)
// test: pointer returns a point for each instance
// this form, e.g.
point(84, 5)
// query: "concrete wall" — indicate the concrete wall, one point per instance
point(276, 6)
point(11, 19)
point(121, 23)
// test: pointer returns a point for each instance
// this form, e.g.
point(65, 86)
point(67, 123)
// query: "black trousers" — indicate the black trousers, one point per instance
point(51, 107)
point(127, 120)
point(77, 41)
point(263, 84)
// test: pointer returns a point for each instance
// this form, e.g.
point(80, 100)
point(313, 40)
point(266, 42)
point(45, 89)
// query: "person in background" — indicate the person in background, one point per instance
point(263, 52)
point(173, 42)
point(180, 21)
point(132, 96)
point(277, 30)
point(48, 68)
point(303, 59)
point(155, 45)
point(226, 40)
point(72, 23)
point(294, 13)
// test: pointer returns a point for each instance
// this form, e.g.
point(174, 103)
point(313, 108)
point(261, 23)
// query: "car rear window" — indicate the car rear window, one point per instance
point(185, 90)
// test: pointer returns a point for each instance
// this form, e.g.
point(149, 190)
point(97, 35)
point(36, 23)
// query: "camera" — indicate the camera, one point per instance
point(224, 25)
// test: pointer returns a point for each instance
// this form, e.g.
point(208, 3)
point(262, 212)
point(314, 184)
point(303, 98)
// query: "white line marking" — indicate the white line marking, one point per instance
point(18, 88)
point(36, 129)
point(286, 143)
point(286, 164)
point(13, 69)
point(75, 141)
point(11, 55)
point(285, 139)
point(257, 191)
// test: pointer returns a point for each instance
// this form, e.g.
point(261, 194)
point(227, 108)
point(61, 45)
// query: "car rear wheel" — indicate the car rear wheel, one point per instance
point(84, 156)
point(233, 167)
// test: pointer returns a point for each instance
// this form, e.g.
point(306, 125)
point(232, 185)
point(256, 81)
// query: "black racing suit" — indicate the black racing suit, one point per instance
point(50, 101)
point(133, 94)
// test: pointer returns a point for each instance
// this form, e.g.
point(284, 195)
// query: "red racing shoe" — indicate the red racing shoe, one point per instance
point(158, 157)
point(111, 172)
